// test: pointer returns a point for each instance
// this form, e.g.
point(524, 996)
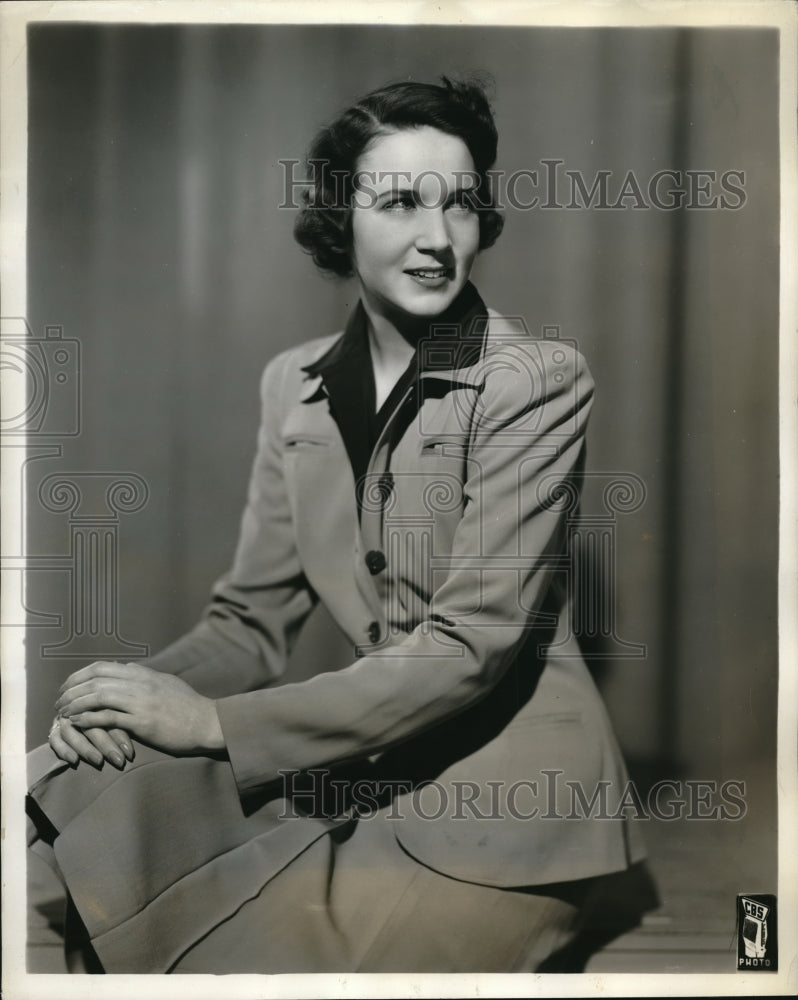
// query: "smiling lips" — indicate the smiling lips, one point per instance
point(430, 275)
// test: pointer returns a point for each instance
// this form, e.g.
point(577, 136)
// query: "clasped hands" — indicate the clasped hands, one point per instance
point(100, 706)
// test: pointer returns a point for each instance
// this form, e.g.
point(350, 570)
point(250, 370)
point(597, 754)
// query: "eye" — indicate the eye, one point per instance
point(463, 201)
point(400, 203)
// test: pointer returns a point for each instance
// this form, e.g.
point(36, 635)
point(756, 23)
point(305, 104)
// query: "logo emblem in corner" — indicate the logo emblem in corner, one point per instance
point(757, 938)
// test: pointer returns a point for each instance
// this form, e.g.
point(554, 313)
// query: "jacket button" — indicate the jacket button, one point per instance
point(375, 560)
point(374, 632)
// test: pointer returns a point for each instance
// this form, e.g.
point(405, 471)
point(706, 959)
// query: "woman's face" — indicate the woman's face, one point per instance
point(414, 233)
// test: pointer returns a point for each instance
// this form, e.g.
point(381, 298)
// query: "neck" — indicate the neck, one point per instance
point(393, 335)
point(392, 338)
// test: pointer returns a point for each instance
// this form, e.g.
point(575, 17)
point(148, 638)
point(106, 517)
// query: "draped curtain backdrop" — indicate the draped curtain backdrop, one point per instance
point(156, 241)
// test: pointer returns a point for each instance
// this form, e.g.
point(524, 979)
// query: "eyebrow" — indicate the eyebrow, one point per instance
point(393, 192)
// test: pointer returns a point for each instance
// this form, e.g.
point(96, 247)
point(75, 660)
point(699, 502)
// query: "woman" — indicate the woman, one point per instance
point(417, 810)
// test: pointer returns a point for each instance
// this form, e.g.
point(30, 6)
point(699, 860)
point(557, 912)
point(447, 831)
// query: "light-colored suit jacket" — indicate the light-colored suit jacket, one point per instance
point(466, 688)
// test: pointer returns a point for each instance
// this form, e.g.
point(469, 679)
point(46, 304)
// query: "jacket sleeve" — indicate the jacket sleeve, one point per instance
point(246, 633)
point(512, 528)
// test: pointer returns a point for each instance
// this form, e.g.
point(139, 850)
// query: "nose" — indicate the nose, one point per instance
point(433, 232)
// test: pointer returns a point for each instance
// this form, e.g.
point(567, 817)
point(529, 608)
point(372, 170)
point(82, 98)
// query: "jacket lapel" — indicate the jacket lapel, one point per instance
point(323, 495)
point(449, 359)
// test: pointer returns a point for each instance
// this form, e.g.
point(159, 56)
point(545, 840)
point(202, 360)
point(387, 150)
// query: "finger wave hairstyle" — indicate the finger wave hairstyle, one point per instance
point(323, 227)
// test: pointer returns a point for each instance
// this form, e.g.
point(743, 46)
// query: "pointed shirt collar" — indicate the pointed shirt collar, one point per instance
point(454, 344)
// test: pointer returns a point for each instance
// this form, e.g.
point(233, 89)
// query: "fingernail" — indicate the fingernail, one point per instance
point(117, 760)
point(97, 760)
point(128, 749)
point(73, 759)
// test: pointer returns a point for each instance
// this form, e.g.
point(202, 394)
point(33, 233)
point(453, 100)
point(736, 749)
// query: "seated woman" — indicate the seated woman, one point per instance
point(450, 801)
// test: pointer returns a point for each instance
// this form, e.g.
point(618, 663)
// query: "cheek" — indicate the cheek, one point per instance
point(467, 236)
point(372, 245)
point(474, 234)
point(379, 262)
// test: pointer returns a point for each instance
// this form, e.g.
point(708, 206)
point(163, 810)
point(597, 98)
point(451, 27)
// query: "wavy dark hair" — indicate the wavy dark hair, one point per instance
point(323, 227)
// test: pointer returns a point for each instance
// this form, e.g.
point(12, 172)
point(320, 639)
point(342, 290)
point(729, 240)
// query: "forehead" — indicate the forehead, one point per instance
point(414, 152)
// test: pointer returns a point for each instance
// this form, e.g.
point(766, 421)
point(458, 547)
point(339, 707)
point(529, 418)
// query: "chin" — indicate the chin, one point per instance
point(429, 302)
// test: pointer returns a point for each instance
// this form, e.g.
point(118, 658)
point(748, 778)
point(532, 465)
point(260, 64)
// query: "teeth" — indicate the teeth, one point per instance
point(429, 274)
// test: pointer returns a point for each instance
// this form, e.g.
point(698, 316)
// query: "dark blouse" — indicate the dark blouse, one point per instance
point(348, 376)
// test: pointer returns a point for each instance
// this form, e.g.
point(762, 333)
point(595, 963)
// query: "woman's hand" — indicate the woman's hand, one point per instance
point(92, 745)
point(159, 709)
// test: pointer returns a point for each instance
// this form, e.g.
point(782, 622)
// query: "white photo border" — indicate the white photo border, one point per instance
point(14, 17)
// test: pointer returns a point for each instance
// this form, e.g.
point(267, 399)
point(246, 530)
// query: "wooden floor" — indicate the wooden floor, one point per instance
point(700, 866)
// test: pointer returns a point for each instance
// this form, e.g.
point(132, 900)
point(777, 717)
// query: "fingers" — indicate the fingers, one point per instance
point(97, 669)
point(103, 668)
point(100, 692)
point(97, 708)
point(122, 740)
point(59, 746)
point(71, 745)
point(92, 744)
point(105, 718)
point(106, 745)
